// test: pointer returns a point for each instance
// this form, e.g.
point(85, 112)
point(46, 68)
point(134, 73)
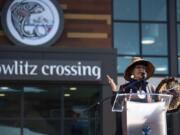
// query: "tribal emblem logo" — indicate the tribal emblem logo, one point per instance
point(33, 22)
point(27, 23)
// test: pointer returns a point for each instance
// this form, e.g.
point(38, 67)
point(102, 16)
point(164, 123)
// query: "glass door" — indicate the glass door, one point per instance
point(82, 114)
point(50, 109)
point(10, 110)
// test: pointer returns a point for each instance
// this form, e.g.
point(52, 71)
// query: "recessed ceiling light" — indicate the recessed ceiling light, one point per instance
point(4, 88)
point(148, 41)
point(73, 88)
point(67, 95)
point(2, 95)
point(161, 69)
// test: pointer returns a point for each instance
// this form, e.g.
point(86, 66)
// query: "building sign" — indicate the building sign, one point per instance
point(50, 70)
point(32, 22)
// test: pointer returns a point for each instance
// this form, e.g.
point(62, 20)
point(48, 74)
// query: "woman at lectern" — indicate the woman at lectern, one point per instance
point(137, 74)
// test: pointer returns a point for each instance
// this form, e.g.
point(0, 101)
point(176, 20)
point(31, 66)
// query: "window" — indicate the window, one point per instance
point(154, 39)
point(10, 110)
point(82, 116)
point(50, 110)
point(178, 32)
point(140, 31)
point(153, 10)
point(126, 38)
point(126, 9)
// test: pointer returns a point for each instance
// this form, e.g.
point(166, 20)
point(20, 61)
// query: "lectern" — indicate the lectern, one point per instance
point(143, 113)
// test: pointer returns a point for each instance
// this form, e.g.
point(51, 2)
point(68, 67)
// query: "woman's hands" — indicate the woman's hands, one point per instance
point(111, 83)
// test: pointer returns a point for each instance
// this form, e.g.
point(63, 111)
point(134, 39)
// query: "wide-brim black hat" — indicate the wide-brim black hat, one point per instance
point(137, 60)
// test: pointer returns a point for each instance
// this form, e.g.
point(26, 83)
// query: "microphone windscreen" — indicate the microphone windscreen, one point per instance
point(144, 75)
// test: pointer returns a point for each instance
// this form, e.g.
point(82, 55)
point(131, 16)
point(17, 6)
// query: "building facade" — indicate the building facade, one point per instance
point(60, 89)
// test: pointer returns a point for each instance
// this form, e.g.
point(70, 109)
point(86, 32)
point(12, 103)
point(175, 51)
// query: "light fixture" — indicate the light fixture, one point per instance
point(148, 41)
point(67, 95)
point(161, 69)
point(33, 89)
point(73, 88)
point(4, 88)
point(2, 95)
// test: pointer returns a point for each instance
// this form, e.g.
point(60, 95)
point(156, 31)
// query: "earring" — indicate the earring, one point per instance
point(132, 76)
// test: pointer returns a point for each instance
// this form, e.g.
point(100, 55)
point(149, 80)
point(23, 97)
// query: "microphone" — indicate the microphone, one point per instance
point(144, 75)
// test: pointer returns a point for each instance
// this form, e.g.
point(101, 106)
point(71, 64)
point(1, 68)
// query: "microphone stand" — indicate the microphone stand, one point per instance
point(133, 83)
point(98, 103)
point(109, 97)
